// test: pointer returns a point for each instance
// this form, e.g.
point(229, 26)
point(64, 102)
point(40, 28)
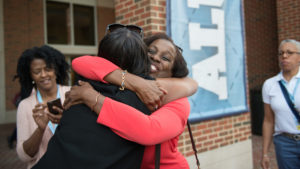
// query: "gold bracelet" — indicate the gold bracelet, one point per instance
point(123, 80)
point(93, 108)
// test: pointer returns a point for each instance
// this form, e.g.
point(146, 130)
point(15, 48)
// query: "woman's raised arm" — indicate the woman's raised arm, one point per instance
point(97, 68)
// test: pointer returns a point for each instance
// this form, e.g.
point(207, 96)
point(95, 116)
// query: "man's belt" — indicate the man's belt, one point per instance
point(292, 136)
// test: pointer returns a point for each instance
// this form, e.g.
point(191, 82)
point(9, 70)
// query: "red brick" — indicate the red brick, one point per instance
point(123, 11)
point(145, 15)
point(128, 3)
point(213, 147)
point(200, 139)
point(162, 15)
point(141, 23)
point(157, 8)
point(162, 28)
point(208, 143)
point(218, 128)
point(139, 11)
point(201, 126)
point(189, 153)
point(118, 7)
point(219, 140)
point(214, 135)
point(133, 7)
point(207, 131)
point(128, 15)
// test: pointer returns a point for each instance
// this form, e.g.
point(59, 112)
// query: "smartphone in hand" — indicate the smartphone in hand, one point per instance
point(55, 102)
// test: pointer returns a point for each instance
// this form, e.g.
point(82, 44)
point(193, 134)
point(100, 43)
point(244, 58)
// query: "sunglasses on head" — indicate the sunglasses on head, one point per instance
point(134, 28)
point(179, 49)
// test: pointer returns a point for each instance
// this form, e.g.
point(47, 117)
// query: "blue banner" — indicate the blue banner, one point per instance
point(211, 35)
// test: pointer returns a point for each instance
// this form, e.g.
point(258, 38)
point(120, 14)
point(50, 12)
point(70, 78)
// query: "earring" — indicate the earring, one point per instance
point(33, 82)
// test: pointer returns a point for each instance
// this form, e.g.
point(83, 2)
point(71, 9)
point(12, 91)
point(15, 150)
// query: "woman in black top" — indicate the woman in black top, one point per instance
point(79, 142)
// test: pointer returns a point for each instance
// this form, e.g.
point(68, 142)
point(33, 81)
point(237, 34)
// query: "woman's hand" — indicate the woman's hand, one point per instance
point(265, 162)
point(77, 94)
point(150, 93)
point(55, 118)
point(40, 116)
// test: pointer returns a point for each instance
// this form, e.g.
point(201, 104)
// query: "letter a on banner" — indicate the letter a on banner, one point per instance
point(209, 73)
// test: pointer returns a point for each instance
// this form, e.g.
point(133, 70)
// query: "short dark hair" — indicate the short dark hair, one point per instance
point(179, 68)
point(53, 59)
point(127, 50)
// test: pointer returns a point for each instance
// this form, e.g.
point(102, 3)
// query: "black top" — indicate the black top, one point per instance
point(81, 143)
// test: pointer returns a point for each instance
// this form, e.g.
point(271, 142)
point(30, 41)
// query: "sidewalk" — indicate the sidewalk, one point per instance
point(9, 159)
point(256, 152)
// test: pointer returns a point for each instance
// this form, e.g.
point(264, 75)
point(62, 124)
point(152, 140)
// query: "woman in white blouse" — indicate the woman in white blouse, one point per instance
point(281, 123)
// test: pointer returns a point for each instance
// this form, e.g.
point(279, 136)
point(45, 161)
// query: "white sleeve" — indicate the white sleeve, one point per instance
point(265, 92)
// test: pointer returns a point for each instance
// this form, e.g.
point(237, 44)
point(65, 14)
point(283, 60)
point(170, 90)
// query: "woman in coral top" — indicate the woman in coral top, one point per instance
point(164, 125)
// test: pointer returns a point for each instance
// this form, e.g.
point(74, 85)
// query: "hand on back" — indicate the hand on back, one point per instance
point(150, 93)
point(77, 94)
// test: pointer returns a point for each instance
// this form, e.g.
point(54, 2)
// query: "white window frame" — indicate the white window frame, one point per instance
point(72, 49)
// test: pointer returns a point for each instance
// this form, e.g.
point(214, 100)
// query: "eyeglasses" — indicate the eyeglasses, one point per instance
point(134, 28)
point(288, 53)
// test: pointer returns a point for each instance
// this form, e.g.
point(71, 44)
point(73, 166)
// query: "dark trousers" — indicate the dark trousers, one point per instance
point(12, 138)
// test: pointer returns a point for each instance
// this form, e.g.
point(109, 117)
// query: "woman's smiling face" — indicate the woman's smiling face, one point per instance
point(162, 54)
point(43, 76)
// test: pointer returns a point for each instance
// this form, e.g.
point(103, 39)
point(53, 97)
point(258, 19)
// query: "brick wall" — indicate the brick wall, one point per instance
point(261, 41)
point(23, 28)
point(212, 134)
point(105, 16)
point(288, 19)
point(149, 14)
point(208, 135)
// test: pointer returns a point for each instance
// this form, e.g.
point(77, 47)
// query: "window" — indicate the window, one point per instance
point(84, 25)
point(58, 21)
point(70, 26)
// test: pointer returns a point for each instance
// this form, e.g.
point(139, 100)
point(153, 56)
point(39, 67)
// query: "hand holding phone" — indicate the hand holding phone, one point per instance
point(55, 102)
